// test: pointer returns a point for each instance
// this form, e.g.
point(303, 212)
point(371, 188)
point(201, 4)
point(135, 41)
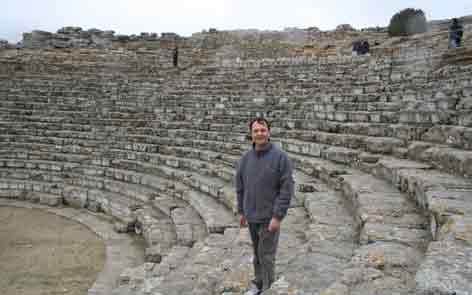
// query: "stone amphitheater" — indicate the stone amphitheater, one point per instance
point(140, 135)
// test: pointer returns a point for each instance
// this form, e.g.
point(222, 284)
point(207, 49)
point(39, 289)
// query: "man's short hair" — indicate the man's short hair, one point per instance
point(259, 120)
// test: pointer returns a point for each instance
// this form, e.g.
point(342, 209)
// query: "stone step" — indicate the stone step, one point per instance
point(203, 194)
point(322, 248)
point(436, 133)
point(156, 228)
point(450, 160)
point(434, 154)
point(454, 255)
point(393, 237)
point(383, 130)
point(158, 231)
point(112, 203)
point(148, 188)
point(433, 190)
point(121, 200)
point(442, 158)
point(374, 144)
point(384, 218)
point(132, 184)
point(223, 262)
point(293, 245)
point(289, 127)
point(205, 264)
point(228, 196)
point(447, 199)
point(327, 171)
point(189, 226)
point(346, 156)
point(330, 239)
point(317, 105)
point(227, 175)
point(378, 202)
point(439, 156)
point(47, 152)
point(216, 215)
point(369, 144)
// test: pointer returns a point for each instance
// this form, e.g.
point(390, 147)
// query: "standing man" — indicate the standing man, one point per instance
point(264, 186)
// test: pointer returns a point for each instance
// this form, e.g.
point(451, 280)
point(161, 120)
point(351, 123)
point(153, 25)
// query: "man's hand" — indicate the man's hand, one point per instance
point(274, 225)
point(242, 221)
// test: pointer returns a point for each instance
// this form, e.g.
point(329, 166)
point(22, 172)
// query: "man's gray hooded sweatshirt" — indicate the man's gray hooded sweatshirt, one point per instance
point(264, 184)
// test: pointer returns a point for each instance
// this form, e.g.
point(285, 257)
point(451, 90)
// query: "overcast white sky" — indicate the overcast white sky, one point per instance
point(185, 17)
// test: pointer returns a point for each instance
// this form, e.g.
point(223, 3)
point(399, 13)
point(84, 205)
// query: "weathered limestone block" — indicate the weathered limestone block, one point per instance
point(50, 199)
point(392, 208)
point(465, 118)
point(340, 155)
point(387, 256)
point(134, 276)
point(458, 227)
point(406, 132)
point(372, 232)
point(75, 197)
point(122, 227)
point(228, 197)
point(189, 226)
point(312, 149)
point(455, 161)
point(153, 254)
point(429, 187)
point(454, 136)
point(176, 257)
point(417, 148)
point(156, 230)
point(390, 169)
point(386, 285)
point(383, 145)
point(446, 269)
point(213, 213)
point(336, 289)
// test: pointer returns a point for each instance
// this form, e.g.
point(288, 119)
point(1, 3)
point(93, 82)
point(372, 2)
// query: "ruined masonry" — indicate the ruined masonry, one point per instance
point(147, 130)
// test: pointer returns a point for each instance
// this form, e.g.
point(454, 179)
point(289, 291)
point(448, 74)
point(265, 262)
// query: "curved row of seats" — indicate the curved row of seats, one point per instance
point(133, 158)
point(177, 162)
point(139, 160)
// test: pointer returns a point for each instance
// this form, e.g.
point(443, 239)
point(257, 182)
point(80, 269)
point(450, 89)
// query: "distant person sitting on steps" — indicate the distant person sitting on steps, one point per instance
point(455, 34)
point(360, 47)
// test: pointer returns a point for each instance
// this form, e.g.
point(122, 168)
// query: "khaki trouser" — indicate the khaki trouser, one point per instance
point(265, 248)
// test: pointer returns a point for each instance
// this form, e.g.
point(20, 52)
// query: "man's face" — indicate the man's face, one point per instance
point(260, 133)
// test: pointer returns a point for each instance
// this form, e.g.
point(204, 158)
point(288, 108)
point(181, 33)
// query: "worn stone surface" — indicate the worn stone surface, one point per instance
point(447, 268)
point(189, 226)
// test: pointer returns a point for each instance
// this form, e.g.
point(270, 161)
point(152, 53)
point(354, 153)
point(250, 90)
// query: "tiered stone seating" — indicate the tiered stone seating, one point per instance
point(381, 146)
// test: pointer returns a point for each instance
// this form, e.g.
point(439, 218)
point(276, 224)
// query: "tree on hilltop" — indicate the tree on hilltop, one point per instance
point(409, 21)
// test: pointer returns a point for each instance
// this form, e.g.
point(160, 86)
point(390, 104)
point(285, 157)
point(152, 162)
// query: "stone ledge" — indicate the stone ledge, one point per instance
point(446, 198)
